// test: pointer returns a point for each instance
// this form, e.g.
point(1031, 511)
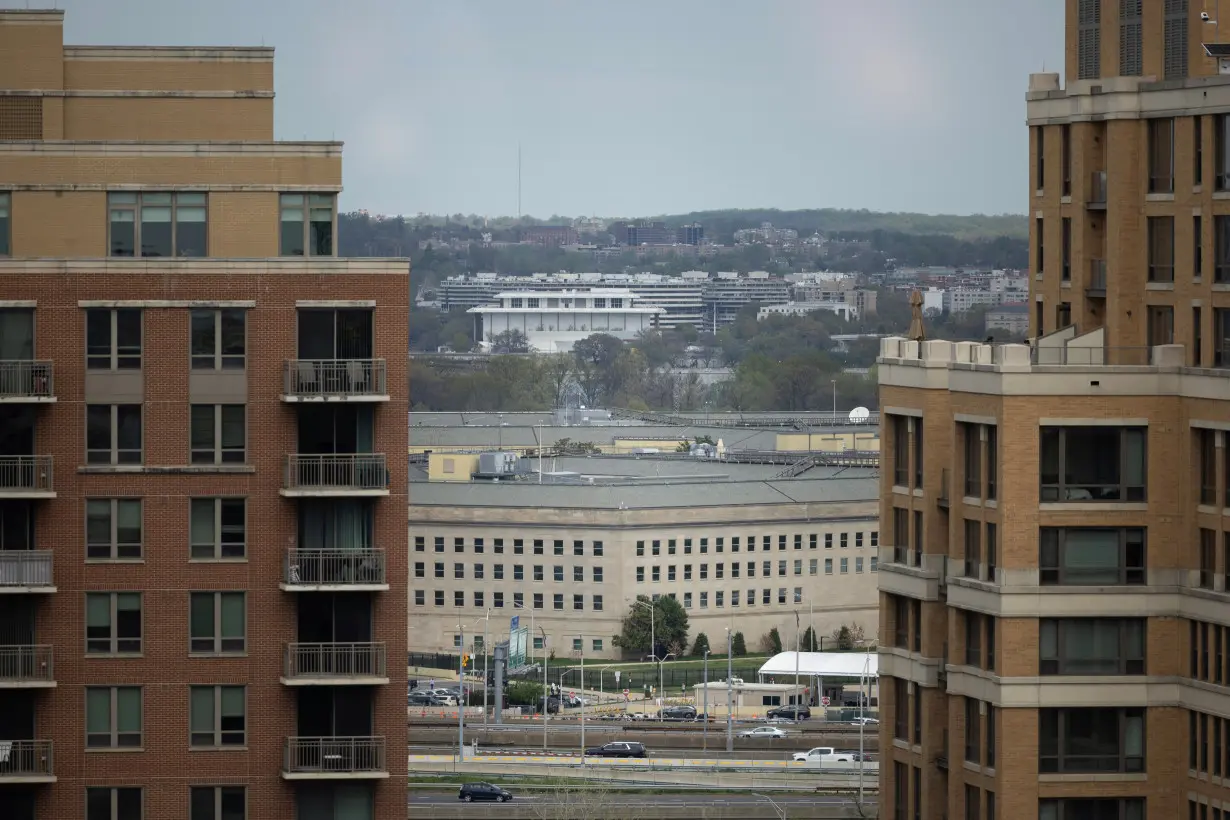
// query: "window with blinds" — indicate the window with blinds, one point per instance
point(1130, 14)
point(1089, 40)
point(1174, 39)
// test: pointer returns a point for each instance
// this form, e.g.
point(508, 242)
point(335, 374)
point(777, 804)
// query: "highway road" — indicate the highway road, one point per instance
point(556, 750)
point(653, 761)
point(685, 800)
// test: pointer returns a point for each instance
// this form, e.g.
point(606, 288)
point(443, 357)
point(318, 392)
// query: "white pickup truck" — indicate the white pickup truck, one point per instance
point(823, 754)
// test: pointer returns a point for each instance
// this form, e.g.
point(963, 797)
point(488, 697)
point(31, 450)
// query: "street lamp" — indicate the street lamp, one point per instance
point(461, 686)
point(730, 671)
point(486, 669)
point(705, 711)
point(653, 651)
point(834, 381)
point(544, 688)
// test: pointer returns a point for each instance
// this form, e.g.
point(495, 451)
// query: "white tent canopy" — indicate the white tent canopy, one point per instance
point(824, 664)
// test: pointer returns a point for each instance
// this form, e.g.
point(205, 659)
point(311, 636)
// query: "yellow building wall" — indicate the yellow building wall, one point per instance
point(451, 466)
point(827, 442)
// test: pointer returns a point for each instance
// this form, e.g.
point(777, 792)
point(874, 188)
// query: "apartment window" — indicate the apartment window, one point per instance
point(459, 598)
point(120, 803)
point(858, 564)
point(1040, 157)
point(497, 571)
point(459, 571)
point(918, 538)
point(1208, 557)
point(972, 803)
point(439, 569)
point(992, 438)
point(557, 601)
point(901, 706)
point(538, 572)
point(734, 597)
point(538, 600)
point(640, 575)
point(218, 803)
point(657, 547)
point(704, 571)
point(420, 598)
point(597, 601)
point(1174, 40)
point(973, 459)
point(828, 540)
point(218, 433)
point(1221, 348)
point(845, 540)
point(828, 566)
point(1160, 328)
point(578, 602)
point(112, 529)
point(813, 567)
point(1161, 249)
point(1065, 225)
point(558, 547)
point(439, 597)
point(1092, 556)
point(113, 717)
point(845, 565)
point(766, 596)
point(687, 600)
point(439, 543)
point(781, 542)
point(704, 600)
point(217, 622)
point(973, 731)
point(973, 548)
point(1161, 153)
point(1039, 246)
point(901, 536)
point(157, 224)
point(973, 638)
point(307, 224)
point(113, 339)
point(219, 339)
point(1091, 740)
point(1089, 39)
point(874, 564)
point(578, 574)
point(1091, 646)
point(918, 455)
point(5, 224)
point(990, 754)
point(1065, 133)
point(218, 715)
point(420, 569)
point(657, 574)
point(478, 546)
point(598, 549)
point(901, 622)
point(992, 550)
point(1092, 808)
point(1221, 248)
point(112, 623)
point(640, 549)
point(1197, 248)
point(901, 450)
point(1093, 464)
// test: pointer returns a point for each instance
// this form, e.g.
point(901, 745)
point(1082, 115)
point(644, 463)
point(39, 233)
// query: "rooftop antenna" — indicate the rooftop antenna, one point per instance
point(518, 181)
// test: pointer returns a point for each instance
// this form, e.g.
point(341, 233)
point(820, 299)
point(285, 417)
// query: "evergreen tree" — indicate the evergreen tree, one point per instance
point(738, 646)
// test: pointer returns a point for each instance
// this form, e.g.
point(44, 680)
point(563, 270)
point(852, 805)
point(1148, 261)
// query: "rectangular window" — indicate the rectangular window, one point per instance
point(1065, 133)
point(1208, 557)
point(687, 600)
point(973, 638)
point(901, 706)
point(459, 598)
point(113, 717)
point(1174, 40)
point(1221, 248)
point(813, 567)
point(112, 623)
point(597, 599)
point(640, 575)
point(901, 790)
point(459, 571)
point(972, 803)
point(1161, 154)
point(990, 749)
point(538, 600)
point(123, 803)
point(901, 450)
point(1039, 246)
point(918, 456)
point(497, 571)
point(845, 565)
point(578, 574)
point(828, 540)
point(1092, 556)
point(217, 622)
point(718, 599)
point(218, 529)
point(439, 597)
point(1065, 247)
point(972, 440)
point(218, 803)
point(157, 224)
point(1197, 151)
point(439, 543)
point(558, 547)
point(1089, 39)
point(1093, 808)
point(640, 549)
point(113, 339)
point(828, 566)
point(1161, 249)
point(1091, 646)
point(973, 548)
point(6, 241)
point(1093, 464)
point(578, 602)
point(1040, 157)
point(219, 339)
point(112, 529)
point(218, 433)
point(1197, 248)
point(1207, 443)
point(991, 551)
point(420, 597)
point(598, 549)
point(1091, 740)
point(218, 715)
point(901, 622)
point(973, 731)
point(557, 601)
point(734, 597)
point(307, 224)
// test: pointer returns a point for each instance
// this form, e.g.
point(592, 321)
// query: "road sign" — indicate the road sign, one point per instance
point(617, 678)
point(824, 701)
point(514, 623)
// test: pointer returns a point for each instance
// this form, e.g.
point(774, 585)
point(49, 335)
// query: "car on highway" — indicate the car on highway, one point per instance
point(824, 754)
point(790, 713)
point(618, 749)
point(678, 713)
point(770, 732)
point(483, 791)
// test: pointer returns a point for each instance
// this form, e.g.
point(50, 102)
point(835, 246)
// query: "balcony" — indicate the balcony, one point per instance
point(26, 382)
point(335, 474)
point(25, 571)
point(26, 761)
point(334, 664)
point(26, 477)
point(26, 667)
point(1097, 191)
point(334, 758)
point(334, 570)
point(1096, 287)
point(330, 380)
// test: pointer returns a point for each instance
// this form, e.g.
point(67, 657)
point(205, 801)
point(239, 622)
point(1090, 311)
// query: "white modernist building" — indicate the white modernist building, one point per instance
point(553, 321)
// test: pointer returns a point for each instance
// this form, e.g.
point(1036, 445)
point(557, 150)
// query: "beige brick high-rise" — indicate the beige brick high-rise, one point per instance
point(202, 422)
point(1055, 583)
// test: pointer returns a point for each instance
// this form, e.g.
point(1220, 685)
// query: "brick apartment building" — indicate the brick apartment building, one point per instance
point(202, 422)
point(1055, 580)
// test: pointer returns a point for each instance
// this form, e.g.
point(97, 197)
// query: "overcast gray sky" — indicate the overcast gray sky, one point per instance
point(639, 106)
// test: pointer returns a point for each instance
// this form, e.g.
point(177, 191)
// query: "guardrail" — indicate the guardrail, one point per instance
point(335, 660)
point(336, 471)
point(22, 378)
point(25, 474)
point(339, 755)
point(26, 758)
point(321, 378)
point(334, 567)
point(26, 664)
point(25, 568)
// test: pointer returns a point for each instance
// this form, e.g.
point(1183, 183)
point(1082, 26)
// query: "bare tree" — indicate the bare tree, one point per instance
point(588, 800)
point(558, 370)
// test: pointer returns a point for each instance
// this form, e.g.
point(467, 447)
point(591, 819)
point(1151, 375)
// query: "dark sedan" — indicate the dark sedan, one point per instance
point(483, 791)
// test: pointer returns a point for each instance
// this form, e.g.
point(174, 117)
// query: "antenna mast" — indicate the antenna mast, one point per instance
point(518, 181)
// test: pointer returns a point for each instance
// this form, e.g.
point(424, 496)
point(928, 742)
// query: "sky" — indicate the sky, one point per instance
point(637, 107)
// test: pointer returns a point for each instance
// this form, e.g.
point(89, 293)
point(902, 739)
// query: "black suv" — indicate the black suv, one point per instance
point(790, 713)
point(483, 791)
point(679, 713)
point(618, 749)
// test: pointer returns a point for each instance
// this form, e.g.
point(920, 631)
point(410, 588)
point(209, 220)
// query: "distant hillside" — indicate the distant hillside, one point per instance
point(720, 225)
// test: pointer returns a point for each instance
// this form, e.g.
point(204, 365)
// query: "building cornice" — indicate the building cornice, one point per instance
point(31, 17)
point(311, 266)
point(139, 94)
point(136, 148)
point(217, 54)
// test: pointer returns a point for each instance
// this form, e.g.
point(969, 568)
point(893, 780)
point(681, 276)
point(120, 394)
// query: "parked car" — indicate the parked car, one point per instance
point(771, 732)
point(824, 754)
point(790, 713)
point(420, 699)
point(618, 749)
point(483, 791)
point(441, 699)
point(678, 713)
point(552, 706)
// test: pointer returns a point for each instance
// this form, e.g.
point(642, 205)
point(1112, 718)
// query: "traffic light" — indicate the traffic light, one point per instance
point(465, 660)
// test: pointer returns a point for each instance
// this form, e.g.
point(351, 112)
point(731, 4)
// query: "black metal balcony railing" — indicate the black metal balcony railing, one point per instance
point(26, 664)
point(1097, 189)
point(334, 755)
point(334, 660)
point(25, 568)
point(25, 758)
point(320, 378)
point(1097, 278)
point(21, 378)
point(30, 474)
point(340, 472)
point(334, 567)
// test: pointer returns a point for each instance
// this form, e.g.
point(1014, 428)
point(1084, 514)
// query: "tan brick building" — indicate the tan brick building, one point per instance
point(202, 416)
point(1055, 634)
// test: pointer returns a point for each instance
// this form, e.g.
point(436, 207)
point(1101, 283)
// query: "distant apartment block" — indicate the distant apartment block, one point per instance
point(1012, 319)
point(842, 309)
point(550, 235)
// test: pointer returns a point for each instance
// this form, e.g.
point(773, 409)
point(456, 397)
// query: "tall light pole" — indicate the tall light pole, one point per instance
point(461, 690)
point(486, 669)
point(583, 701)
point(864, 694)
point(652, 644)
point(730, 672)
point(798, 701)
point(834, 381)
point(661, 691)
point(545, 701)
point(705, 712)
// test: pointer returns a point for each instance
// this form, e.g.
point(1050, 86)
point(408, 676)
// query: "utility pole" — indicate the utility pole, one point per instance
point(705, 711)
point(461, 690)
point(486, 669)
point(583, 702)
point(730, 671)
point(798, 699)
point(545, 701)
